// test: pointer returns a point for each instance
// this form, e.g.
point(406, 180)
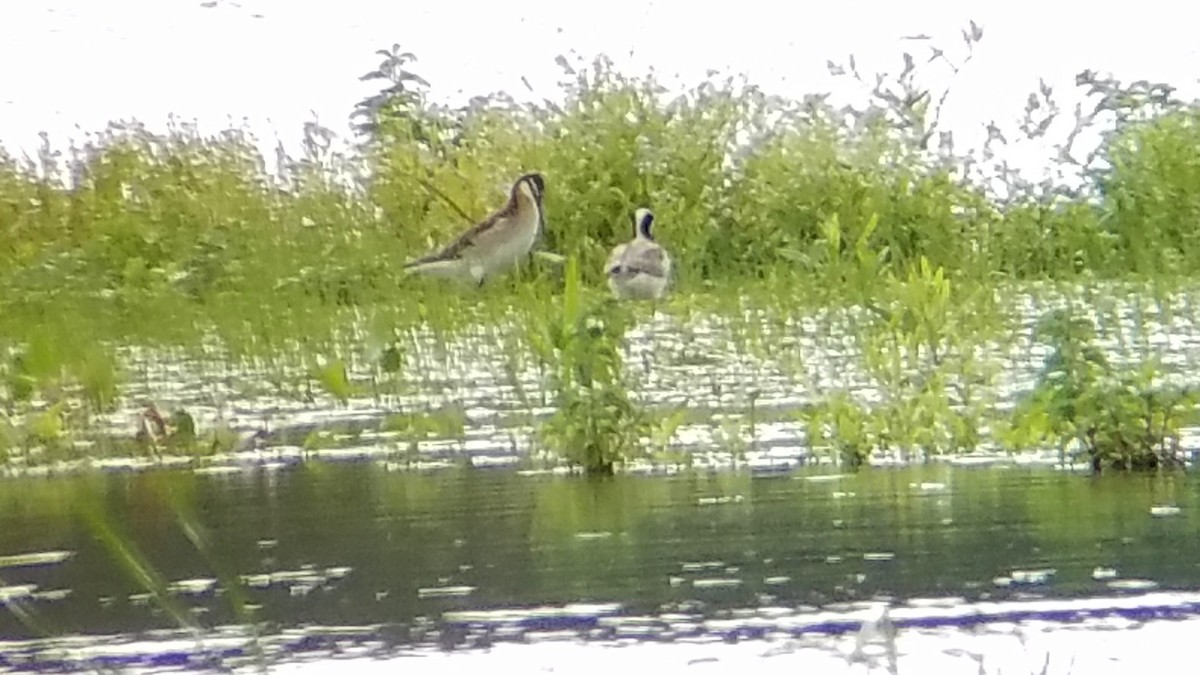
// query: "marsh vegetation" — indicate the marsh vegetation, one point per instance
point(847, 269)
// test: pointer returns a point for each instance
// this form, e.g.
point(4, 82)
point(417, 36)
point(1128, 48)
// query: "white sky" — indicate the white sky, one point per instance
point(68, 63)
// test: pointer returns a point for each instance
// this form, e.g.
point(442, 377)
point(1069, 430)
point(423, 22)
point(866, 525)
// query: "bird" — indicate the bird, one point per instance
point(152, 428)
point(640, 268)
point(494, 244)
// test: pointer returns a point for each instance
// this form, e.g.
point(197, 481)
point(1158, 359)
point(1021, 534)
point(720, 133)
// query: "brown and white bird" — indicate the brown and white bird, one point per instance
point(152, 428)
point(495, 244)
point(639, 269)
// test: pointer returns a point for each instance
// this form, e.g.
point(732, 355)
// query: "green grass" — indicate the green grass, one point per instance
point(775, 207)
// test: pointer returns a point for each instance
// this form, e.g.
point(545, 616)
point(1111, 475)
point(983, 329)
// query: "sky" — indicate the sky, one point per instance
point(71, 66)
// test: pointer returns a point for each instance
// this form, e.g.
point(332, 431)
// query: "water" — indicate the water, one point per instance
point(741, 379)
point(338, 560)
point(340, 551)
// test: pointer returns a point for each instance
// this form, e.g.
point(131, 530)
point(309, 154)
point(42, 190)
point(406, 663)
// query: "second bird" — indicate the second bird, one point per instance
point(495, 244)
point(639, 269)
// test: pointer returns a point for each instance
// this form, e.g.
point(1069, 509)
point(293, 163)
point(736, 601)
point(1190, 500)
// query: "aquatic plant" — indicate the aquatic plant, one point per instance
point(843, 423)
point(920, 343)
point(595, 425)
point(1119, 418)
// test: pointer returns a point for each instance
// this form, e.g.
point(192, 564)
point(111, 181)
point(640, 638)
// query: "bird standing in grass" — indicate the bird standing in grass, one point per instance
point(639, 269)
point(495, 244)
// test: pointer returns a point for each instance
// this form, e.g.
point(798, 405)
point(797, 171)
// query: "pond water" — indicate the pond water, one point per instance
point(478, 397)
point(703, 572)
point(430, 547)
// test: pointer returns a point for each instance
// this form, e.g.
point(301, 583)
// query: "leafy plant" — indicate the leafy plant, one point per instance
point(595, 424)
point(844, 424)
point(1119, 419)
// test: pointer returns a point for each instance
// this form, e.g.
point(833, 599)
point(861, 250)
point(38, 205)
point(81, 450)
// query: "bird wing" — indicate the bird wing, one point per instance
point(614, 258)
point(648, 259)
point(454, 250)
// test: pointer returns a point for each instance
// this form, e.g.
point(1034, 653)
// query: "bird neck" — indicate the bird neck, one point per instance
point(523, 198)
